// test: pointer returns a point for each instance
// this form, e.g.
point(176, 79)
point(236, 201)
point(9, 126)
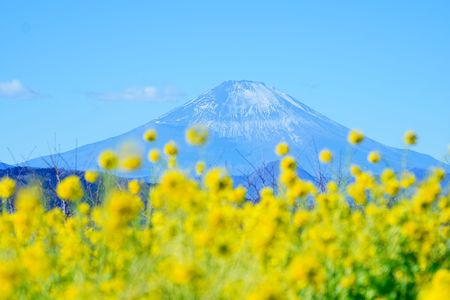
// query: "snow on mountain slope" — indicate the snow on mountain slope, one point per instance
point(246, 120)
point(249, 110)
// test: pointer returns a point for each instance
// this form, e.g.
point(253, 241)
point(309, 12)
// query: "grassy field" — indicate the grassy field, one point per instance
point(376, 237)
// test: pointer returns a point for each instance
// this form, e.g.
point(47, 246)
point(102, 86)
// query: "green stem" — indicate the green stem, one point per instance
point(4, 205)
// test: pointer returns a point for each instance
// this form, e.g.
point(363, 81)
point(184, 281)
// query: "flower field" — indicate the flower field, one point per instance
point(196, 237)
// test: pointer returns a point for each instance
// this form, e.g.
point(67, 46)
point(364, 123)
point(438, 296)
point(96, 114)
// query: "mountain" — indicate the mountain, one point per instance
point(246, 120)
point(4, 166)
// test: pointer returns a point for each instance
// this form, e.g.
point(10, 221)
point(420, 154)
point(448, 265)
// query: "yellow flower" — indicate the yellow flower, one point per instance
point(112, 286)
point(301, 218)
point(407, 180)
point(348, 281)
point(108, 160)
point(410, 138)
point(131, 162)
point(29, 199)
point(355, 170)
point(130, 156)
point(70, 189)
point(238, 195)
point(326, 156)
point(438, 174)
point(134, 186)
point(306, 270)
point(266, 192)
point(83, 208)
point(392, 187)
point(91, 176)
point(200, 168)
point(288, 178)
point(197, 135)
point(182, 273)
point(9, 277)
point(7, 187)
point(332, 187)
point(266, 291)
point(122, 207)
point(153, 155)
point(217, 180)
point(355, 137)
point(172, 181)
point(358, 193)
point(150, 135)
point(387, 175)
point(172, 162)
point(439, 287)
point(374, 157)
point(282, 149)
point(171, 149)
point(300, 189)
point(201, 238)
point(288, 163)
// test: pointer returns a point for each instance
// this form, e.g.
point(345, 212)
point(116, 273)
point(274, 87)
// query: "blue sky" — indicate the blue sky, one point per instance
point(74, 72)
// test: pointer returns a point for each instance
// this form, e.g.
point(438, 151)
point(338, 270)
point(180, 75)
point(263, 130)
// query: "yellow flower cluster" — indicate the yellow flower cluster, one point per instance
point(91, 176)
point(197, 135)
point(326, 156)
point(282, 149)
point(171, 149)
point(150, 135)
point(200, 168)
point(410, 138)
point(374, 157)
point(134, 186)
point(376, 237)
point(153, 155)
point(70, 189)
point(131, 162)
point(7, 187)
point(355, 137)
point(108, 160)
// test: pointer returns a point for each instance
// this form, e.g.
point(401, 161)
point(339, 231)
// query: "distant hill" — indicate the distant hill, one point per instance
point(47, 178)
point(4, 166)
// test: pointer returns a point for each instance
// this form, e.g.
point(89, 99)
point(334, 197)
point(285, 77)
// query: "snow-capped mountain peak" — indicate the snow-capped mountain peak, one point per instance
point(245, 108)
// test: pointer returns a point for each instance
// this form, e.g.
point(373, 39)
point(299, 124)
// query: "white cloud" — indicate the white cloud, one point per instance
point(15, 89)
point(146, 93)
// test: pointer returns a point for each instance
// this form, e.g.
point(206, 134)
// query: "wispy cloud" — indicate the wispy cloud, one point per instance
point(145, 93)
point(16, 89)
